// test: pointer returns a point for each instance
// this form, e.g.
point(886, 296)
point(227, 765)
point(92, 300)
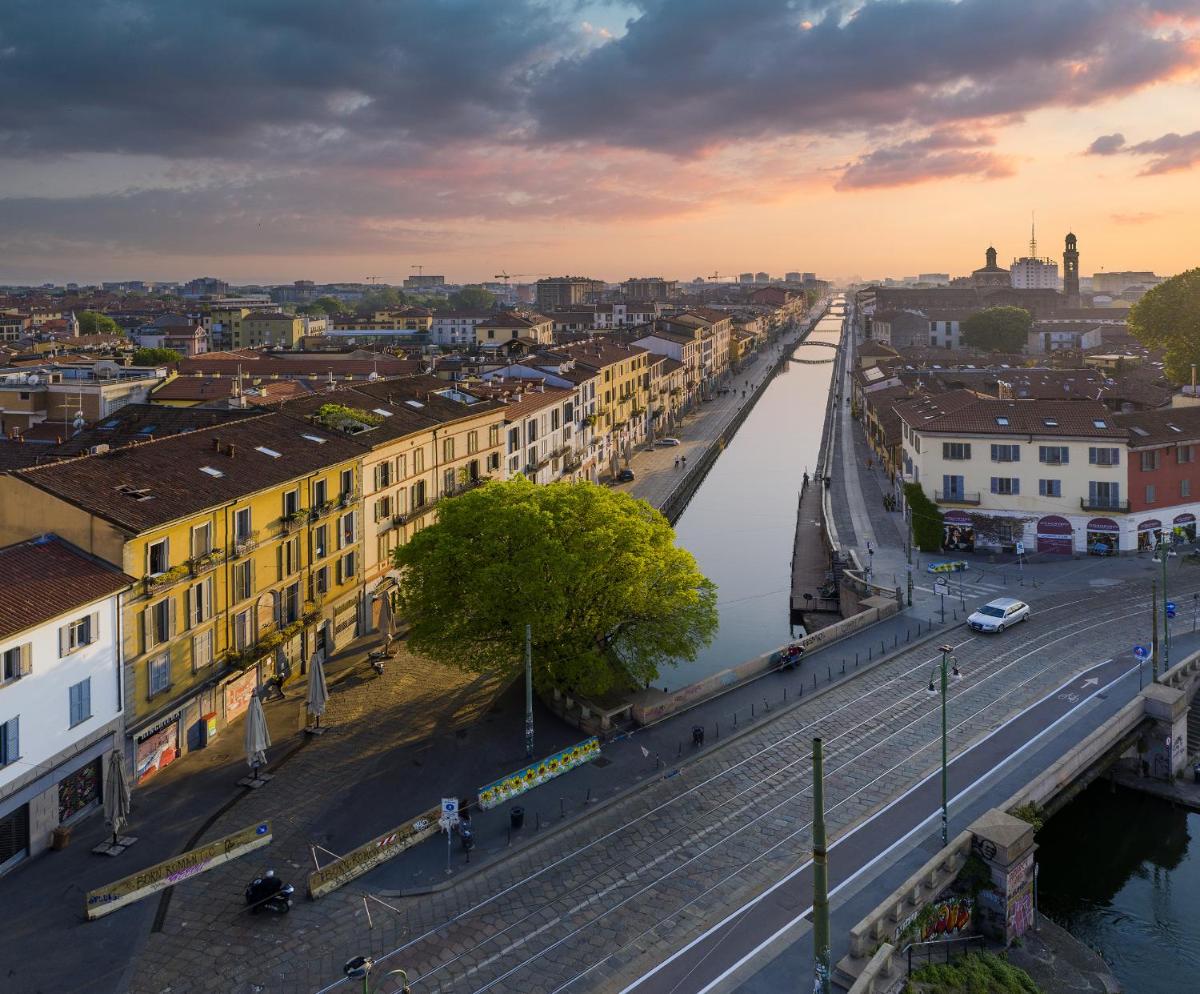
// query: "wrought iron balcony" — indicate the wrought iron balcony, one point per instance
point(1104, 504)
point(956, 497)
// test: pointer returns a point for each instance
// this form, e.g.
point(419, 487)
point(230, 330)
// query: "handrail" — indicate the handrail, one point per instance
point(907, 951)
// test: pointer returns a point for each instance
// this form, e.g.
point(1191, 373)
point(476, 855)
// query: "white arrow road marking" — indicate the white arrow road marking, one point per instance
point(1090, 682)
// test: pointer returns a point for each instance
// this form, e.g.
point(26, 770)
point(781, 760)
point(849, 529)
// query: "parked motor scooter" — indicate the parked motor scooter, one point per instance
point(269, 893)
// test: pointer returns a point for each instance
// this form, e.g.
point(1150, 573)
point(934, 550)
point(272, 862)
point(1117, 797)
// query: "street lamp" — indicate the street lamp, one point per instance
point(949, 671)
point(360, 968)
point(1161, 552)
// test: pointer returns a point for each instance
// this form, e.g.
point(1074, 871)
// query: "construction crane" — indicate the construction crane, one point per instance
point(419, 269)
point(716, 277)
point(515, 276)
point(374, 279)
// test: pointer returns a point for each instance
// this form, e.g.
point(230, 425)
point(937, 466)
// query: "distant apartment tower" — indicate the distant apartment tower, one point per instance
point(1034, 274)
point(808, 277)
point(762, 277)
point(793, 278)
point(566, 291)
point(938, 278)
point(746, 278)
point(205, 286)
point(1118, 283)
point(423, 282)
point(650, 288)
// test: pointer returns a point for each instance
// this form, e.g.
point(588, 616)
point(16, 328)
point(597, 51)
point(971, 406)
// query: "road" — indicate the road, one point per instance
point(656, 876)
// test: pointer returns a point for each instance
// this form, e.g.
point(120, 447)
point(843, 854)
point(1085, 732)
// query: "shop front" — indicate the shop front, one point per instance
point(958, 532)
point(1055, 536)
point(14, 837)
point(79, 792)
point(156, 748)
point(1149, 533)
point(1184, 528)
point(1103, 537)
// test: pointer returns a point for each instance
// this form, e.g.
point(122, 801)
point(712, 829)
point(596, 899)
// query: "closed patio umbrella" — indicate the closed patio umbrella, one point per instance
point(318, 693)
point(385, 619)
point(116, 795)
point(258, 738)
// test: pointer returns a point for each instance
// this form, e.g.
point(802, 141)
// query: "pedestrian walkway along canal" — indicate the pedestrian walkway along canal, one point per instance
point(741, 521)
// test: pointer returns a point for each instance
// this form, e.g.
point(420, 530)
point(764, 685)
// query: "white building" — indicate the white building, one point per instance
point(1034, 274)
point(60, 689)
point(456, 328)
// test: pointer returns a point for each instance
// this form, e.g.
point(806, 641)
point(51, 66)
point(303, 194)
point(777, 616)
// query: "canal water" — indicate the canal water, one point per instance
point(741, 522)
point(1121, 871)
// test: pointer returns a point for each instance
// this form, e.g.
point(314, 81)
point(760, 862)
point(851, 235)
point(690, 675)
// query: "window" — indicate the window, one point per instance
point(346, 530)
point(1185, 488)
point(243, 630)
point(1151, 493)
point(320, 581)
point(1184, 453)
point(202, 649)
point(1104, 494)
point(514, 439)
point(493, 436)
point(956, 450)
point(1149, 460)
point(448, 482)
point(320, 541)
point(347, 567)
point(1104, 457)
point(401, 467)
point(952, 487)
point(291, 503)
point(383, 475)
point(80, 632)
point(243, 579)
point(1006, 453)
point(493, 461)
point(157, 558)
point(1049, 488)
point(347, 482)
point(10, 741)
point(418, 495)
point(242, 525)
point(1054, 455)
point(383, 508)
point(418, 460)
point(320, 493)
point(202, 540)
point(158, 673)
point(289, 556)
point(1006, 485)
point(289, 604)
point(447, 449)
point(1002, 422)
point(16, 662)
point(158, 623)
point(472, 442)
point(200, 602)
point(80, 701)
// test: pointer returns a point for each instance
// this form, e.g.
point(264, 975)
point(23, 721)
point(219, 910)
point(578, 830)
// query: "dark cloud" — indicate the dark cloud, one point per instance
point(1106, 144)
point(941, 154)
point(1170, 153)
point(693, 73)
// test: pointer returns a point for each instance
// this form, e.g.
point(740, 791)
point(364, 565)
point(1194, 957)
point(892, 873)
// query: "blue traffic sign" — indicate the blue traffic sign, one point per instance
point(1141, 652)
point(1170, 609)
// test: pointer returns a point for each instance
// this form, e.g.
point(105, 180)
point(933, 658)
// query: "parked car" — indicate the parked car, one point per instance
point(997, 615)
point(666, 442)
point(947, 566)
point(625, 476)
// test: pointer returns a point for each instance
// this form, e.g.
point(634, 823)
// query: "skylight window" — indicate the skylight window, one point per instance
point(267, 452)
point(1099, 424)
point(382, 412)
point(315, 438)
point(1139, 430)
point(1003, 422)
point(1050, 422)
point(1174, 427)
point(414, 403)
point(211, 472)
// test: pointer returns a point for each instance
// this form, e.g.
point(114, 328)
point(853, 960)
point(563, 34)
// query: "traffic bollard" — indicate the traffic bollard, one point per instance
point(829, 671)
point(562, 807)
point(751, 709)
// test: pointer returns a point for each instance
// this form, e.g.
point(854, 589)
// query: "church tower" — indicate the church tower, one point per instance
point(1071, 272)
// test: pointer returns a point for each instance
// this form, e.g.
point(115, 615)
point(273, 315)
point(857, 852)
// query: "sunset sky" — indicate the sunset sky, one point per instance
point(273, 140)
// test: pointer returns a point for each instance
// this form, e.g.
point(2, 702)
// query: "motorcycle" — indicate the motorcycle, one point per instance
point(269, 893)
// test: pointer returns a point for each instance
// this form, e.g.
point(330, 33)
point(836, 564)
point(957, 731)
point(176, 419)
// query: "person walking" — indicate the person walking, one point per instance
point(685, 462)
point(677, 462)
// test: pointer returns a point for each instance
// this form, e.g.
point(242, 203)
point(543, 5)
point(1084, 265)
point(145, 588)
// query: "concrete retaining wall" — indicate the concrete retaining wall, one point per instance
point(652, 705)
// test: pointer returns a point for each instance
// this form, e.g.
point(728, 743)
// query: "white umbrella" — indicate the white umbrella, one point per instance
point(258, 738)
point(116, 794)
point(385, 617)
point(318, 693)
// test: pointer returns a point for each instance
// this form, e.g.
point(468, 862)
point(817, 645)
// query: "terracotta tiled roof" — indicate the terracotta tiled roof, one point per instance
point(45, 578)
point(950, 413)
point(1172, 426)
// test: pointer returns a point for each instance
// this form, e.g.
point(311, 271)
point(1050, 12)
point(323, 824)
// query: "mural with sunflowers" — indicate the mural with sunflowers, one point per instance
point(514, 784)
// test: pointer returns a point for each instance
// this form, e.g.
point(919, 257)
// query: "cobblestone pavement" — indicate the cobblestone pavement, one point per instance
point(599, 902)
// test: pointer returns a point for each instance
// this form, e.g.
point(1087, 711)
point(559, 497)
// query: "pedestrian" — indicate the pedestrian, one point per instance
point(677, 462)
point(685, 462)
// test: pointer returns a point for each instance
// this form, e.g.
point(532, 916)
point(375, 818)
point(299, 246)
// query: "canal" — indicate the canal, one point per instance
point(740, 523)
point(1119, 871)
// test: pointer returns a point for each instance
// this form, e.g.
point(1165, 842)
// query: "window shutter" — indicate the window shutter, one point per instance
point(64, 641)
point(94, 627)
point(172, 626)
point(26, 659)
point(253, 585)
point(1016, 486)
point(73, 695)
point(12, 739)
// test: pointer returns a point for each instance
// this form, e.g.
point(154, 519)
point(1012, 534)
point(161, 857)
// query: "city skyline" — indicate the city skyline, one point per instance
point(621, 137)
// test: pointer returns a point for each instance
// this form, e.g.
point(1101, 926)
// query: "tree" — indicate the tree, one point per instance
point(927, 527)
point(1168, 318)
point(95, 323)
point(473, 298)
point(998, 329)
point(596, 574)
point(156, 357)
point(330, 305)
point(385, 298)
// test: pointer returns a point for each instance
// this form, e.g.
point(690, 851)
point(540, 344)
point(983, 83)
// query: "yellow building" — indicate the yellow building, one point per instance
point(623, 390)
point(256, 328)
point(247, 538)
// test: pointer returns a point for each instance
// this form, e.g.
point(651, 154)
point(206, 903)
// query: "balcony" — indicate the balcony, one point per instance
point(244, 544)
point(321, 510)
point(956, 497)
point(208, 561)
point(160, 581)
point(1104, 504)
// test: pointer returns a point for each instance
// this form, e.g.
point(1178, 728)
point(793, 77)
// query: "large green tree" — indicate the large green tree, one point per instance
point(998, 329)
point(596, 575)
point(95, 323)
point(156, 357)
point(473, 298)
point(1168, 318)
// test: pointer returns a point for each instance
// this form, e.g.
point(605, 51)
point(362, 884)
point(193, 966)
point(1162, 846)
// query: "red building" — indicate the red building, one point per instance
point(1163, 471)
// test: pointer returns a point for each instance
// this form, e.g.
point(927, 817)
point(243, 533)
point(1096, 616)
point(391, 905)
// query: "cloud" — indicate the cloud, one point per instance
point(1138, 217)
point(941, 154)
point(1106, 144)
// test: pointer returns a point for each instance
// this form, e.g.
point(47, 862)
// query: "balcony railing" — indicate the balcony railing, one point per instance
point(1104, 504)
point(203, 563)
point(956, 497)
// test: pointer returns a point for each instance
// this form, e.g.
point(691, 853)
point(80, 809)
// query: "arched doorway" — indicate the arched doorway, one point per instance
point(1103, 537)
point(1185, 527)
point(958, 532)
point(1148, 534)
point(1055, 535)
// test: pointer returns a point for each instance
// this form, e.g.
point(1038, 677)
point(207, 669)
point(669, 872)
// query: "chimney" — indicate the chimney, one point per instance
point(216, 443)
point(231, 450)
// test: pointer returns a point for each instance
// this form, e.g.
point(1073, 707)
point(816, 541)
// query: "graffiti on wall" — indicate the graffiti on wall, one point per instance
point(941, 919)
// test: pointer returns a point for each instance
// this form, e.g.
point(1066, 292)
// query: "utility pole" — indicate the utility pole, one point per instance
point(820, 875)
point(1163, 553)
point(908, 548)
point(528, 692)
point(949, 670)
point(1154, 630)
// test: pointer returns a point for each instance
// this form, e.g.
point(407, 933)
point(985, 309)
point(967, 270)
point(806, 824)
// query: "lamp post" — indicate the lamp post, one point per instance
point(1161, 552)
point(949, 671)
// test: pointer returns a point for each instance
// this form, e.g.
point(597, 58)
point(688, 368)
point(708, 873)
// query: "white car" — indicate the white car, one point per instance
point(997, 615)
point(667, 442)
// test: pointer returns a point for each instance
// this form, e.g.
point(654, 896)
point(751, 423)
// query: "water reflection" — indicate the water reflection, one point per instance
point(741, 522)
point(1117, 870)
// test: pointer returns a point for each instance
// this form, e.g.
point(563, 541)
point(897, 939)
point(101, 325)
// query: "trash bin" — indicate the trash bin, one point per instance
point(516, 816)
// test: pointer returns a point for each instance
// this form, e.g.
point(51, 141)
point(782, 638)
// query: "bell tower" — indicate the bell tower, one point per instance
point(1071, 272)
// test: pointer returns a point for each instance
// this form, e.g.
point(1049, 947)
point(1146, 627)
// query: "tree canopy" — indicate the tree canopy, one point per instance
point(156, 357)
point(596, 574)
point(95, 323)
point(473, 298)
point(998, 329)
point(323, 305)
point(1168, 318)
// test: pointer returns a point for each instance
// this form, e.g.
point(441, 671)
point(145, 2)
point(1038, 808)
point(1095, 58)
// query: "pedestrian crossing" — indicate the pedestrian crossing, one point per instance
point(973, 588)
